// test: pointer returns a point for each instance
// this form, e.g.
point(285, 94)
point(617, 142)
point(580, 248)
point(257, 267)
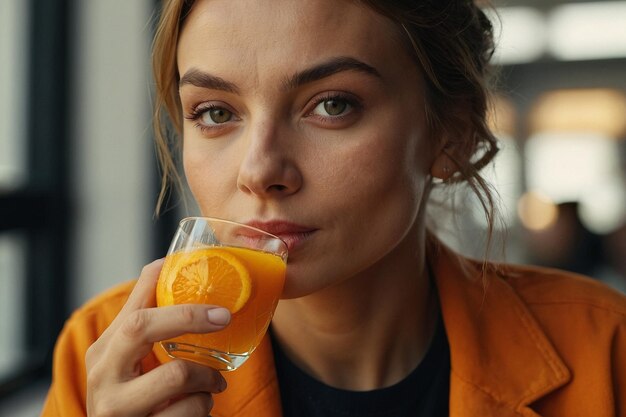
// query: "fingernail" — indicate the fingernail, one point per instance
point(222, 386)
point(218, 316)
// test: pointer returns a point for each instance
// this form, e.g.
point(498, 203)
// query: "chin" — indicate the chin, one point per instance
point(299, 284)
point(295, 289)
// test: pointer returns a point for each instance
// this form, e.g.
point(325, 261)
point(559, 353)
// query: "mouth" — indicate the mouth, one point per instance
point(291, 233)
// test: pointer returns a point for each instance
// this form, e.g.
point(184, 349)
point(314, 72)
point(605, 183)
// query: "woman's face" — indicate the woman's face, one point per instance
point(304, 118)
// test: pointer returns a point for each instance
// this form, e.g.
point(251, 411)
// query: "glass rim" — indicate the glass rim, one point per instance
point(234, 223)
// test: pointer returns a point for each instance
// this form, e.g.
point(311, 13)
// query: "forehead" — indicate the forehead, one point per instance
point(285, 33)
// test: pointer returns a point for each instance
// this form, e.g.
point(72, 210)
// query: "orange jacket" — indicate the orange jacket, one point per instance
point(523, 342)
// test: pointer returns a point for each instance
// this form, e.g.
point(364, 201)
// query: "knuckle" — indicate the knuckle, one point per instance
point(147, 269)
point(91, 355)
point(199, 405)
point(134, 325)
point(104, 407)
point(92, 377)
point(151, 270)
point(95, 376)
point(178, 374)
point(187, 314)
point(217, 380)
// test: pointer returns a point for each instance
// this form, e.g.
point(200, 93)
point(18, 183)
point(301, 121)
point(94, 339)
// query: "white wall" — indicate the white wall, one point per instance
point(113, 155)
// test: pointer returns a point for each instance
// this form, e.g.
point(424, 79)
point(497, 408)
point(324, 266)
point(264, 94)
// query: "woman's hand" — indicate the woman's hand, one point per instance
point(116, 385)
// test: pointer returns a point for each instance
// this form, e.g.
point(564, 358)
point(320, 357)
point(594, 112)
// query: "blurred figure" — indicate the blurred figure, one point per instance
point(567, 244)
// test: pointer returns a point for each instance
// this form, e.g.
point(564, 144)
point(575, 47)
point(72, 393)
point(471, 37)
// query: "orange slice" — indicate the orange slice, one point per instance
point(210, 276)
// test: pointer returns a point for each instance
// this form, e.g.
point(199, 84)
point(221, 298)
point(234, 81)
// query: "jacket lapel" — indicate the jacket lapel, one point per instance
point(501, 359)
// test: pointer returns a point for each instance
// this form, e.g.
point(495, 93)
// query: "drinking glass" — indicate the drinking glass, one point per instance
point(220, 262)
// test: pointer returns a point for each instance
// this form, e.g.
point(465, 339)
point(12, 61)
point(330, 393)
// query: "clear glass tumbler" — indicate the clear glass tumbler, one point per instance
point(219, 262)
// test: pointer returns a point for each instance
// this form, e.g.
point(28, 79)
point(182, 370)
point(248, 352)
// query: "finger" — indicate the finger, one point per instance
point(174, 379)
point(143, 295)
point(195, 405)
point(142, 328)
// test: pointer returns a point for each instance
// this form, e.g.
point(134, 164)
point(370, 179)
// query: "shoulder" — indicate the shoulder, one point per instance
point(116, 295)
point(99, 312)
point(68, 389)
point(545, 287)
point(585, 322)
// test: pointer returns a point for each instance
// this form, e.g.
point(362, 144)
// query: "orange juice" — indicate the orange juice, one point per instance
point(247, 282)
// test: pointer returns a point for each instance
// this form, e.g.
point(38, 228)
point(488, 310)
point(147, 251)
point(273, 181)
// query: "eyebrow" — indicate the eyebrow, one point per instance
point(328, 68)
point(205, 80)
point(333, 66)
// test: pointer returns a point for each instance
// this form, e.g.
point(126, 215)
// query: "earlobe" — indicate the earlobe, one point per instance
point(443, 167)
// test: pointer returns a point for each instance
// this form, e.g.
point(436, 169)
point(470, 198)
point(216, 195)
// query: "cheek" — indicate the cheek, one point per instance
point(386, 168)
point(368, 196)
point(210, 179)
point(376, 187)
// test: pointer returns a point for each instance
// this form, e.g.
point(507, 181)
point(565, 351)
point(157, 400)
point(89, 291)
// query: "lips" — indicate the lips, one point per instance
point(291, 233)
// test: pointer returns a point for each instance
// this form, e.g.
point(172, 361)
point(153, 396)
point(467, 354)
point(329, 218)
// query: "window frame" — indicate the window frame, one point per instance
point(41, 208)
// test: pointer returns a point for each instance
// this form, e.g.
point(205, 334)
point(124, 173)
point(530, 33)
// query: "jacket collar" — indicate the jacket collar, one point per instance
point(498, 351)
point(501, 360)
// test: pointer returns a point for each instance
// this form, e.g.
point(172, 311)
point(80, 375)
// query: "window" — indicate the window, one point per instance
point(12, 173)
point(34, 196)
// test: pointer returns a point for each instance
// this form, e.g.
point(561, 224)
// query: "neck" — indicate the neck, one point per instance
point(368, 332)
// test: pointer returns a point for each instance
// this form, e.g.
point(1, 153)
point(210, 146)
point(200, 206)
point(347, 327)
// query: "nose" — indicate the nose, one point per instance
point(268, 170)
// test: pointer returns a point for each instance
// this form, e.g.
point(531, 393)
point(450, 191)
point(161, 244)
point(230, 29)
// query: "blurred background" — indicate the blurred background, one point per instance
point(78, 174)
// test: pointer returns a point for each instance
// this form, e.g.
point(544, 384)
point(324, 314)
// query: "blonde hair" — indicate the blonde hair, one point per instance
point(167, 106)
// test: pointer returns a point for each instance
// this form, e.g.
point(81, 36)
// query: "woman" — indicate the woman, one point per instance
point(328, 123)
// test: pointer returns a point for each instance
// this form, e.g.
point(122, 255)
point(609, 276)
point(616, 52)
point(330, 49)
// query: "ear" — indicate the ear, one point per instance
point(443, 167)
point(456, 145)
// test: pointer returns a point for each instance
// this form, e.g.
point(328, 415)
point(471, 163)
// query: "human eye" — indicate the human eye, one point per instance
point(211, 116)
point(334, 107)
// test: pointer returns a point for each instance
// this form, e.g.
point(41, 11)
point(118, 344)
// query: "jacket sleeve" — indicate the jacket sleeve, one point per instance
point(67, 393)
point(619, 369)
